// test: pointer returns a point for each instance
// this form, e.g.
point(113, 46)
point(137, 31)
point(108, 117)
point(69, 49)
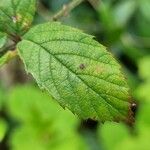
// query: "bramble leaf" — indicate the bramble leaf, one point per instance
point(77, 71)
point(16, 15)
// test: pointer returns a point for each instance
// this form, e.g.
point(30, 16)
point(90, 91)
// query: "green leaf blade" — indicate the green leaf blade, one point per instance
point(77, 71)
point(16, 16)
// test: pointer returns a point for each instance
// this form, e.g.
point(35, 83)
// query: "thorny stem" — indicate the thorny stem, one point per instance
point(66, 9)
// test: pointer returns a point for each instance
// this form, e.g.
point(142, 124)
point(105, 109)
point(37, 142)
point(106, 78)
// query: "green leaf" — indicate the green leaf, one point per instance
point(77, 71)
point(31, 100)
point(3, 39)
point(2, 97)
point(144, 64)
point(143, 93)
point(109, 129)
point(16, 15)
point(123, 11)
point(42, 122)
point(144, 5)
point(3, 129)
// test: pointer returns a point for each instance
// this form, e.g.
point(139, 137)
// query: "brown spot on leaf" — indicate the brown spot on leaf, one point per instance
point(98, 69)
point(82, 66)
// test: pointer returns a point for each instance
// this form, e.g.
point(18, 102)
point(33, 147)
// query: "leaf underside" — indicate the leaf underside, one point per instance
point(77, 71)
point(16, 15)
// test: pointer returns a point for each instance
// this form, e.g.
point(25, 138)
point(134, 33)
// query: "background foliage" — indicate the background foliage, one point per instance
point(30, 119)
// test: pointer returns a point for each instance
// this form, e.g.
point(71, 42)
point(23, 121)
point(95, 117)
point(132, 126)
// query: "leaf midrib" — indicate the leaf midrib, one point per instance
point(68, 40)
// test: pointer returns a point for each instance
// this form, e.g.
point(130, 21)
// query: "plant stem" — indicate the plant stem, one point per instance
point(94, 3)
point(67, 8)
point(10, 47)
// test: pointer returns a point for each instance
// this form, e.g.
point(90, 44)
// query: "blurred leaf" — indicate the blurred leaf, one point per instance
point(143, 119)
point(132, 48)
point(144, 65)
point(3, 39)
point(110, 30)
point(143, 93)
point(116, 16)
point(23, 104)
point(132, 79)
point(16, 16)
point(2, 98)
point(123, 11)
point(112, 134)
point(56, 5)
point(142, 26)
point(78, 19)
point(3, 129)
point(144, 7)
point(26, 138)
point(106, 16)
point(117, 136)
point(44, 124)
point(62, 61)
point(140, 142)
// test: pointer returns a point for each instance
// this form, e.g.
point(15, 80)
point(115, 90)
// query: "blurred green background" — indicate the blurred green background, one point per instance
point(30, 119)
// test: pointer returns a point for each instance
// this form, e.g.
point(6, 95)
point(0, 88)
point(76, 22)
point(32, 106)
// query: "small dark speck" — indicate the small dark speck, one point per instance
point(82, 66)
